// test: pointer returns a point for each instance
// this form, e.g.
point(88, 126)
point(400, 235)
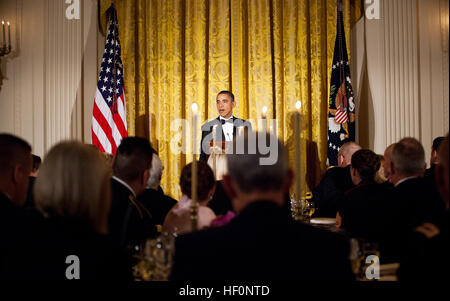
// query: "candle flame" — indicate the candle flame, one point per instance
point(7, 23)
point(264, 109)
point(194, 107)
point(3, 22)
point(298, 104)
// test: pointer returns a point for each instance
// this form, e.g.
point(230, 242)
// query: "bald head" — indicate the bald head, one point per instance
point(346, 152)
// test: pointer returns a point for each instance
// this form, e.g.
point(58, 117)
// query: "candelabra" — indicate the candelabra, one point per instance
point(6, 47)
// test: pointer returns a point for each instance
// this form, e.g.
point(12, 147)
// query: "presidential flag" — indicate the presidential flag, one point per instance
point(341, 105)
point(109, 121)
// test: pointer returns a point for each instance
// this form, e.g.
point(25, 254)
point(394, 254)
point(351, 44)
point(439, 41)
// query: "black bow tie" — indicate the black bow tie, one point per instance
point(227, 121)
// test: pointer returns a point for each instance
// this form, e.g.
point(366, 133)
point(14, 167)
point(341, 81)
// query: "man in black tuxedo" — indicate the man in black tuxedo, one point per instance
point(416, 195)
point(15, 167)
point(153, 197)
point(261, 242)
point(130, 223)
point(427, 253)
point(226, 123)
point(335, 182)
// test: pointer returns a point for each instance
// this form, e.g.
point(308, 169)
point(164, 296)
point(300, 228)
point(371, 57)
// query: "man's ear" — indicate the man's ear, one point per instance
point(17, 173)
point(352, 171)
point(233, 104)
point(227, 183)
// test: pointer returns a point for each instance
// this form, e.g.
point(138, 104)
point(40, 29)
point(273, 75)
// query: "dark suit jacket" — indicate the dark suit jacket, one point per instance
point(130, 223)
point(157, 203)
point(330, 191)
point(370, 211)
point(419, 201)
point(220, 202)
point(220, 136)
point(261, 243)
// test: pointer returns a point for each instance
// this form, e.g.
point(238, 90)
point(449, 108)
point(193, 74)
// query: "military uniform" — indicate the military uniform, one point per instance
point(427, 253)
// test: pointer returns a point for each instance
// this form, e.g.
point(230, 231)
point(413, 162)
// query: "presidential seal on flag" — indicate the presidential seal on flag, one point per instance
point(341, 105)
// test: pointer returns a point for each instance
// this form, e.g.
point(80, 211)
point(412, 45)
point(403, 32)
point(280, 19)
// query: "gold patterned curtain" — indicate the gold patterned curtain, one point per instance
point(267, 52)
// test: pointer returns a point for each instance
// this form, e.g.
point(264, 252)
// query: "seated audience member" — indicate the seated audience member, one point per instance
point(261, 242)
point(153, 197)
point(417, 197)
point(387, 162)
point(73, 194)
point(29, 203)
point(434, 158)
point(178, 219)
point(379, 176)
point(334, 183)
point(368, 210)
point(129, 221)
point(15, 168)
point(429, 172)
point(427, 252)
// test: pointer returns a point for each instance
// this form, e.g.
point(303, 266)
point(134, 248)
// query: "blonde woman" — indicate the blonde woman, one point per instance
point(73, 195)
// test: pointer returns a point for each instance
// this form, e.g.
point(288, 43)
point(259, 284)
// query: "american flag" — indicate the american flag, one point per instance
point(109, 120)
point(341, 105)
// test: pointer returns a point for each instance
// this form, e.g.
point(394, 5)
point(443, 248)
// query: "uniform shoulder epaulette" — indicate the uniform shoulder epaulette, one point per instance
point(428, 229)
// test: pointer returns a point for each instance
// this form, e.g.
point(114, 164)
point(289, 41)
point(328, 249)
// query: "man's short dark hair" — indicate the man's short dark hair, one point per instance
point(13, 150)
point(436, 143)
point(227, 93)
point(134, 155)
point(36, 163)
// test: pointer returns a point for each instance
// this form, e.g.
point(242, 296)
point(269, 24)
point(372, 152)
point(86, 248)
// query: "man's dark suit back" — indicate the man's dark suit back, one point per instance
point(419, 201)
point(128, 224)
point(262, 243)
point(330, 191)
point(157, 203)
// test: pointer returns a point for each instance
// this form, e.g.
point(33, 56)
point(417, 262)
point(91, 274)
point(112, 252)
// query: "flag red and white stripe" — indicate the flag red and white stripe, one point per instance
point(109, 118)
point(341, 115)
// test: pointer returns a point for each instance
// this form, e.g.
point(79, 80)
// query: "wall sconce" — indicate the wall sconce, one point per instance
point(6, 47)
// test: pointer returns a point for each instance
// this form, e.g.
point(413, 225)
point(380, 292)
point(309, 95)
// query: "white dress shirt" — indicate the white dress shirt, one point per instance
point(227, 128)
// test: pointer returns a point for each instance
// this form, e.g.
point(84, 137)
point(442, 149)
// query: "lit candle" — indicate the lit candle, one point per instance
point(9, 35)
point(264, 112)
point(298, 105)
point(4, 37)
point(214, 149)
point(194, 208)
